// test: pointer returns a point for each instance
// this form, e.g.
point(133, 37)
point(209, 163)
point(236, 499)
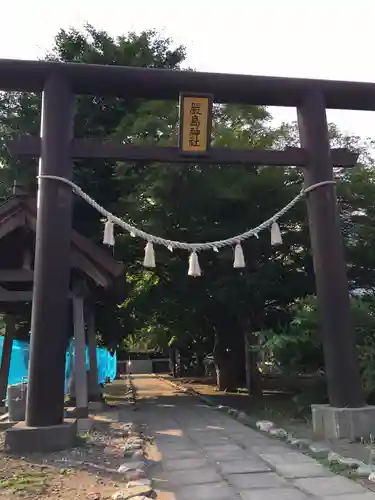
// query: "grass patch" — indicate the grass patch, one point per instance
point(336, 468)
point(25, 481)
point(81, 440)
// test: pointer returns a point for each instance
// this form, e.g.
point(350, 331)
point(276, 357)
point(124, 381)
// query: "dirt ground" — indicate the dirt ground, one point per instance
point(88, 471)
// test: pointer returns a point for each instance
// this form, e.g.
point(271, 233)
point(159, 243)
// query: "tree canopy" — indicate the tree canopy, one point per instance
point(192, 202)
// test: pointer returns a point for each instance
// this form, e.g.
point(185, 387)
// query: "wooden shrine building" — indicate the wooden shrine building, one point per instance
point(92, 268)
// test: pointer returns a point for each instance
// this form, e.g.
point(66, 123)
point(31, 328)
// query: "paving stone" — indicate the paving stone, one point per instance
point(260, 449)
point(323, 486)
point(194, 476)
point(184, 464)
point(221, 450)
point(255, 480)
point(242, 466)
point(209, 439)
point(360, 496)
point(170, 448)
point(287, 458)
point(276, 494)
point(180, 454)
point(230, 455)
point(216, 491)
point(291, 471)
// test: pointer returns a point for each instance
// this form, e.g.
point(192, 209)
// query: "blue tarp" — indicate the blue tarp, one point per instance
point(20, 360)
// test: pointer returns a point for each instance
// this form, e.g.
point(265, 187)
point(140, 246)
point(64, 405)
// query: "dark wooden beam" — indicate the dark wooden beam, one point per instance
point(19, 295)
point(79, 260)
point(16, 296)
point(10, 223)
point(130, 82)
point(95, 148)
point(15, 275)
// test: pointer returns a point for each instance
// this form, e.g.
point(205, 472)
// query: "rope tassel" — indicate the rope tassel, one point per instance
point(239, 259)
point(149, 260)
point(109, 234)
point(276, 238)
point(194, 267)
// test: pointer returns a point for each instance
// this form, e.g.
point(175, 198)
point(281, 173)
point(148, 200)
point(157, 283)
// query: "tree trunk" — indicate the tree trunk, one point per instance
point(224, 367)
point(253, 377)
point(172, 360)
point(200, 364)
point(6, 357)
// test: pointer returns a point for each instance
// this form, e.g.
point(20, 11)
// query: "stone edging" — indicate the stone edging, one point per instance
point(139, 486)
point(320, 451)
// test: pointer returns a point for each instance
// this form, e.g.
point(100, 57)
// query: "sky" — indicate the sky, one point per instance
point(328, 39)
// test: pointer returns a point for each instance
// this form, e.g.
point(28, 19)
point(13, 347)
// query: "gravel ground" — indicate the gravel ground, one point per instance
point(88, 471)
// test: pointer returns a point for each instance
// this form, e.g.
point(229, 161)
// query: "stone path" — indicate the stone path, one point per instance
point(206, 455)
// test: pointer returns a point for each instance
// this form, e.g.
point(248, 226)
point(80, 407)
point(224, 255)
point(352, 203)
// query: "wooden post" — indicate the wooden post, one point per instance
point(340, 351)
point(247, 361)
point(80, 376)
point(93, 384)
point(6, 357)
point(45, 395)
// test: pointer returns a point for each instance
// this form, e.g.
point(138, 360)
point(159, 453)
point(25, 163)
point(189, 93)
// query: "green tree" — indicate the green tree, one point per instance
point(96, 116)
point(193, 203)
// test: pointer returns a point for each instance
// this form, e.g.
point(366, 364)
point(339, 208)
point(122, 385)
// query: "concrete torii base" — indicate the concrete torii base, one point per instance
point(330, 422)
point(23, 439)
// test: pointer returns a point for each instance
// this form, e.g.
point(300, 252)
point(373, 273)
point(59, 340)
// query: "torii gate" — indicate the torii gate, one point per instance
point(57, 149)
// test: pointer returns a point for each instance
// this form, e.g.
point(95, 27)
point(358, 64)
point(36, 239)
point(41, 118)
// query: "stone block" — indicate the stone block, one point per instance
point(23, 439)
point(256, 480)
point(290, 458)
point(324, 486)
point(214, 491)
point(84, 425)
point(350, 496)
point(275, 494)
point(96, 405)
point(291, 471)
point(220, 451)
point(203, 475)
point(184, 464)
point(172, 454)
point(243, 466)
point(330, 422)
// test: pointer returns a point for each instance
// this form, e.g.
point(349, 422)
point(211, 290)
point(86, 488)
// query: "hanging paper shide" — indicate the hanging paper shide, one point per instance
point(109, 233)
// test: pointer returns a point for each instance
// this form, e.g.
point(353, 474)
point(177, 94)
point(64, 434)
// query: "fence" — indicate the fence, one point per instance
point(20, 360)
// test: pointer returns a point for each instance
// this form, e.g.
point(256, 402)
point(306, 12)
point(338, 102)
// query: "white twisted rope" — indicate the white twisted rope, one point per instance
point(171, 244)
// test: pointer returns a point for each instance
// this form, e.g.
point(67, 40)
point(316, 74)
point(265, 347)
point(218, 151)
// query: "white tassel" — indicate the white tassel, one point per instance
point(149, 260)
point(194, 268)
point(109, 236)
point(276, 238)
point(239, 259)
